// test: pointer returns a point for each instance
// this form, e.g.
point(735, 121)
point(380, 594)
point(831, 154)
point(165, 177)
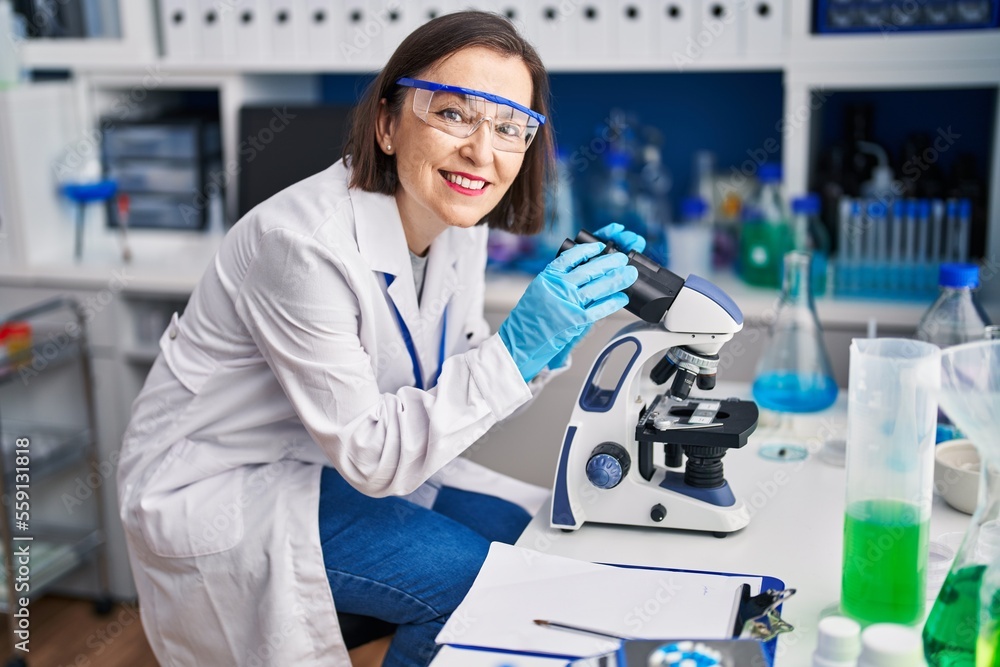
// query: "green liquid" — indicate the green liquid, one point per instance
point(885, 562)
point(762, 249)
point(952, 629)
point(988, 649)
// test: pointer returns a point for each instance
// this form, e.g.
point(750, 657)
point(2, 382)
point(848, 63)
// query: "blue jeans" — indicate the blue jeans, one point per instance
point(402, 563)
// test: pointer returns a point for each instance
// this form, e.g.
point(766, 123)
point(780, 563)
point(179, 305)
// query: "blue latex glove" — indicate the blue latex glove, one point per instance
point(626, 242)
point(575, 290)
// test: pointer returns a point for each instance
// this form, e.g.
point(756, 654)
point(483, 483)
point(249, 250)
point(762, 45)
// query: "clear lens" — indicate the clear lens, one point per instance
point(460, 115)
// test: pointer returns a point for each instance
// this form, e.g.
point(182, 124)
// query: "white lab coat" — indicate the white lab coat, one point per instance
point(288, 357)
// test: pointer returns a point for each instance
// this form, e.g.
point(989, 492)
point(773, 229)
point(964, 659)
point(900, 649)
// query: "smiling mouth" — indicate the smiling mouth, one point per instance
point(463, 182)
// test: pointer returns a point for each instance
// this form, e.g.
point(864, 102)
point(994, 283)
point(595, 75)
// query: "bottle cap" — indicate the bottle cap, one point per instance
point(876, 209)
point(891, 645)
point(958, 275)
point(839, 641)
point(806, 204)
point(616, 158)
point(770, 172)
point(693, 207)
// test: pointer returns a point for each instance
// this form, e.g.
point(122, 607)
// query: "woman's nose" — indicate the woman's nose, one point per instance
point(478, 146)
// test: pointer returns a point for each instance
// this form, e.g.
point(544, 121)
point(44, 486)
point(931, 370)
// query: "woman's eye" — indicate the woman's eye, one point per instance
point(509, 130)
point(452, 115)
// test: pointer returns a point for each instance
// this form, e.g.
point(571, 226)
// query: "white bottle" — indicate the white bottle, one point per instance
point(891, 645)
point(838, 644)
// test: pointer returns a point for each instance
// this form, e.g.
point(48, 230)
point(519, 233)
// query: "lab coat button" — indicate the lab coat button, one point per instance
point(173, 333)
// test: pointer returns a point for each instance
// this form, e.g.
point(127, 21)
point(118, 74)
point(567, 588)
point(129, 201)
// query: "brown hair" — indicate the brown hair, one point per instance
point(522, 208)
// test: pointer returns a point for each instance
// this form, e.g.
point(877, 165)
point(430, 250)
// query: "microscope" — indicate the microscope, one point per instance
point(606, 471)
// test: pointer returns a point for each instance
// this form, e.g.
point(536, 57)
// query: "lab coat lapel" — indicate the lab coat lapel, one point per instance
point(382, 243)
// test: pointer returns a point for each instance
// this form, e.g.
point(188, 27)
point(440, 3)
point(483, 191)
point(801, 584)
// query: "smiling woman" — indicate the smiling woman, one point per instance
point(292, 463)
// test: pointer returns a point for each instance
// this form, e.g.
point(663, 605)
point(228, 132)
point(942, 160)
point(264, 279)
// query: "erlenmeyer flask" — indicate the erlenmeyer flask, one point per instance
point(964, 625)
point(794, 373)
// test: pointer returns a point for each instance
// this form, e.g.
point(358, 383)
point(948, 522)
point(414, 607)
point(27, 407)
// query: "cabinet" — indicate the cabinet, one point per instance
point(48, 432)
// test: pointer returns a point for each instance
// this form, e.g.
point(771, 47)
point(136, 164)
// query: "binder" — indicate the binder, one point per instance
point(765, 27)
point(553, 32)
point(180, 36)
point(673, 26)
point(719, 27)
point(321, 18)
point(246, 25)
point(284, 24)
point(595, 41)
point(212, 35)
point(633, 30)
point(361, 36)
point(398, 19)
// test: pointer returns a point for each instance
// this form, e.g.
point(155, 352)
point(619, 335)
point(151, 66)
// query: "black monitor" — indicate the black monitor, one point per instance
point(280, 145)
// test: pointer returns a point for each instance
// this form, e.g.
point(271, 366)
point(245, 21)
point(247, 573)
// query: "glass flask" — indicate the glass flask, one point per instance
point(963, 628)
point(794, 373)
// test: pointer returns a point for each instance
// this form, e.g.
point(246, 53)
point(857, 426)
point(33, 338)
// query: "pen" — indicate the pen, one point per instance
point(576, 628)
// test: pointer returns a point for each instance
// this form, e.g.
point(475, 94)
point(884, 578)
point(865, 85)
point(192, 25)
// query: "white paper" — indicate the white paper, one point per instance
point(450, 656)
point(516, 586)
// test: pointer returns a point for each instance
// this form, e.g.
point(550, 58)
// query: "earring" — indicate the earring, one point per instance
point(388, 147)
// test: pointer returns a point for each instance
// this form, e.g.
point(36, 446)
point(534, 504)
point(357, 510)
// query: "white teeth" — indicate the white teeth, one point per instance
point(465, 182)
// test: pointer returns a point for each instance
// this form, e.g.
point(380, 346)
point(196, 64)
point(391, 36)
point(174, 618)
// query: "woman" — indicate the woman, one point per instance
point(320, 372)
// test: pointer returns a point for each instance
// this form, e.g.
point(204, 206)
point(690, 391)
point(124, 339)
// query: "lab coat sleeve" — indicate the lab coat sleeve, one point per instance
point(302, 309)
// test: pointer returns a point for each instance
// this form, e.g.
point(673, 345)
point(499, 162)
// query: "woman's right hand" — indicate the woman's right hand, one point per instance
point(571, 293)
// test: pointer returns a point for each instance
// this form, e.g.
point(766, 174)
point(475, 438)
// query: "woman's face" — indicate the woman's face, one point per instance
point(426, 157)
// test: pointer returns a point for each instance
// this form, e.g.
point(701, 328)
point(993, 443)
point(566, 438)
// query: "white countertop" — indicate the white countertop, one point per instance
point(795, 533)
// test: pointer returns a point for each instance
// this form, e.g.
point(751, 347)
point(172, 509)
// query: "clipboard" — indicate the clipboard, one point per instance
point(515, 584)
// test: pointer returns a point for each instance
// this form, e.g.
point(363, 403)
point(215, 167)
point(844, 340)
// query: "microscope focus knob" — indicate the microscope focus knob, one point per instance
point(658, 513)
point(608, 465)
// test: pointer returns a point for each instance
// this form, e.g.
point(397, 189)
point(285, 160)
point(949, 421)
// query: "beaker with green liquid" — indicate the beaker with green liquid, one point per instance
point(963, 628)
point(891, 421)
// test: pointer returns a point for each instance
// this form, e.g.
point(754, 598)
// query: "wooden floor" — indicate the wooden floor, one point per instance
point(66, 632)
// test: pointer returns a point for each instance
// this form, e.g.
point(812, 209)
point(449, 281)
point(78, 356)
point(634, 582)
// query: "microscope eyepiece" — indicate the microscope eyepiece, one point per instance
point(653, 292)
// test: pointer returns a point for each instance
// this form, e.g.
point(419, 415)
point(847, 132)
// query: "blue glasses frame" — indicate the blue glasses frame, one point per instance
point(407, 82)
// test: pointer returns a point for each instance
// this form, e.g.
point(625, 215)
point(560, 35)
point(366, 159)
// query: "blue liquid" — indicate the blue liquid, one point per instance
point(794, 392)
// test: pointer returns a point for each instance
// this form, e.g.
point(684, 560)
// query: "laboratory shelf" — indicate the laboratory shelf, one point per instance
point(53, 348)
point(54, 552)
point(52, 448)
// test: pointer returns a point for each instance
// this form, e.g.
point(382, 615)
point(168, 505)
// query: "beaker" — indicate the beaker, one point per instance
point(891, 419)
point(964, 624)
point(794, 373)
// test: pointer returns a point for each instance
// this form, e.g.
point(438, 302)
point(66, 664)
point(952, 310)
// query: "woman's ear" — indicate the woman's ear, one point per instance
point(384, 126)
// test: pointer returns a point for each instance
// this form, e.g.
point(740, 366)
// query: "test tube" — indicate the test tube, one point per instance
point(909, 283)
point(896, 248)
point(964, 223)
point(936, 223)
point(855, 237)
point(875, 217)
point(880, 265)
point(843, 226)
point(927, 269)
point(951, 231)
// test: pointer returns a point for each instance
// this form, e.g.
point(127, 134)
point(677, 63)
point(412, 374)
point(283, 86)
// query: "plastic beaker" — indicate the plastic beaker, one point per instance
point(891, 418)
point(964, 625)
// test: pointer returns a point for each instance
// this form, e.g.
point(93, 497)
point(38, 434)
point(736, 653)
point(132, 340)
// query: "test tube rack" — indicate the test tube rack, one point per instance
point(894, 249)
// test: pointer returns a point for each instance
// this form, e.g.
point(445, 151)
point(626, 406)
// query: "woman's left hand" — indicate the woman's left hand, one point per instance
point(626, 241)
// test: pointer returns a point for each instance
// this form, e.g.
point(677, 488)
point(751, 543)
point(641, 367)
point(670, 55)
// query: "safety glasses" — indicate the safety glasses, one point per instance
point(460, 111)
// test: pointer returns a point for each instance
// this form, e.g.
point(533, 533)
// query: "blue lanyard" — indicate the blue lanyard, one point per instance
point(408, 339)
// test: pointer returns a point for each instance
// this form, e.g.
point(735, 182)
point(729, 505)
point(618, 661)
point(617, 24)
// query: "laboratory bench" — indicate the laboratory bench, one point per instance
point(795, 532)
